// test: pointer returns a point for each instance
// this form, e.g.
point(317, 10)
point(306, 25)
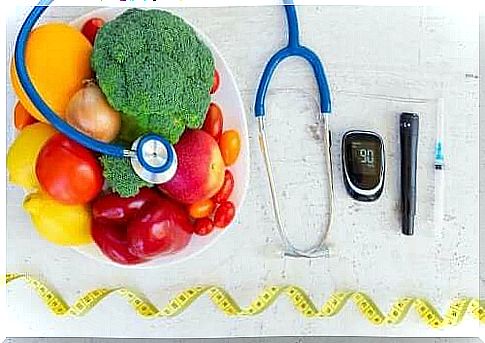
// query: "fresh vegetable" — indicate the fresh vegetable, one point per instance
point(201, 209)
point(113, 242)
point(91, 27)
point(57, 57)
point(115, 209)
point(120, 177)
point(162, 227)
point(132, 230)
point(155, 71)
point(203, 226)
point(22, 154)
point(215, 83)
point(68, 172)
point(200, 169)
point(230, 145)
point(224, 214)
point(89, 112)
point(58, 223)
point(226, 189)
point(22, 118)
point(213, 122)
point(111, 214)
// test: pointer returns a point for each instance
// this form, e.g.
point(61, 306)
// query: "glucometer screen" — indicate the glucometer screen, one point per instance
point(363, 160)
point(364, 157)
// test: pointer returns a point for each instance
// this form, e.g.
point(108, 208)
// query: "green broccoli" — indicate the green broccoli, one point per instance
point(120, 177)
point(153, 68)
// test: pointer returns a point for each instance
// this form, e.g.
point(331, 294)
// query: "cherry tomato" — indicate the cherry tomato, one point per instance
point(226, 189)
point(91, 28)
point(115, 209)
point(203, 226)
point(113, 242)
point(160, 228)
point(201, 209)
point(22, 118)
point(68, 172)
point(230, 145)
point(213, 122)
point(215, 84)
point(224, 214)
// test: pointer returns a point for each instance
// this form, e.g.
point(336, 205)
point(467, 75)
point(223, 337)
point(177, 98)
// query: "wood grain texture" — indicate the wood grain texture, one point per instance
point(380, 61)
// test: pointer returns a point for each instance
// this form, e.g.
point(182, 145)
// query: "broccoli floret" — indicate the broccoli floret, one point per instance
point(153, 68)
point(120, 177)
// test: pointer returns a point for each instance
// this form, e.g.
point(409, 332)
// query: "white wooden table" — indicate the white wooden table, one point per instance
point(380, 61)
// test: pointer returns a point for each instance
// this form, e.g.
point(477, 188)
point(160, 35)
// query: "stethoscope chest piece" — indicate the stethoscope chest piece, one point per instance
point(153, 159)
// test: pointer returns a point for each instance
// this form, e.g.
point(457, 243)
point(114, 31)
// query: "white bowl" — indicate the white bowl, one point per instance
point(229, 99)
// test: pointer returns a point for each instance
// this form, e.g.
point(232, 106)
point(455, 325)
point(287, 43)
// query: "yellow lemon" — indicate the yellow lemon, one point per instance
point(57, 57)
point(58, 223)
point(22, 154)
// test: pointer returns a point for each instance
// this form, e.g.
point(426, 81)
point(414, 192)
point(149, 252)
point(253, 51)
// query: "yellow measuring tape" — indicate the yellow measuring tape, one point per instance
point(225, 303)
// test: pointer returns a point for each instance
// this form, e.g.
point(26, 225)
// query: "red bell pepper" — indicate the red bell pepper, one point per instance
point(133, 230)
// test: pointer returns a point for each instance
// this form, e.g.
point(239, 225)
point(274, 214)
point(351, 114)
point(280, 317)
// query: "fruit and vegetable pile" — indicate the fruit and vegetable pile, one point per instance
point(144, 71)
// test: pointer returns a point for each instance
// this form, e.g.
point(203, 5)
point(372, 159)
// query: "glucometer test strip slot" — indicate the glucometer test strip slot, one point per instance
point(408, 129)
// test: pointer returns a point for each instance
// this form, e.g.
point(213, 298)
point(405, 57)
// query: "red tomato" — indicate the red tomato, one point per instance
point(213, 122)
point(201, 209)
point(230, 145)
point(113, 242)
point(91, 28)
point(224, 214)
point(68, 172)
point(215, 84)
point(226, 189)
point(203, 226)
point(22, 118)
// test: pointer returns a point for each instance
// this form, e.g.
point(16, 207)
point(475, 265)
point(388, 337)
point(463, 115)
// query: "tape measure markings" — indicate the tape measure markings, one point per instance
point(226, 303)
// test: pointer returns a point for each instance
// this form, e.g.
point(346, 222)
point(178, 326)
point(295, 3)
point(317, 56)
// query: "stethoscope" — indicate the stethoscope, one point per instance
point(295, 49)
point(152, 157)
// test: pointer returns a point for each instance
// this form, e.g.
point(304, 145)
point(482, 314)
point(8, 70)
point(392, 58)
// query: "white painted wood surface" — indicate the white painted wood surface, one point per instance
point(380, 61)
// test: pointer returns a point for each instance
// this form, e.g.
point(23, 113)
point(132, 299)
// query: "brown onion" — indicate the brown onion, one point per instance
point(89, 112)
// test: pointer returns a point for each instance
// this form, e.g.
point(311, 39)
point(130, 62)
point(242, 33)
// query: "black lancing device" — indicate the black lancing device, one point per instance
point(408, 129)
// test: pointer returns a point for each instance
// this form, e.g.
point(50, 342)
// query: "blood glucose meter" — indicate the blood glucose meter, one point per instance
point(363, 164)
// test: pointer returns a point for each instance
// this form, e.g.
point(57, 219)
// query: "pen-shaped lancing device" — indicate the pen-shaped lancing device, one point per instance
point(409, 132)
point(439, 165)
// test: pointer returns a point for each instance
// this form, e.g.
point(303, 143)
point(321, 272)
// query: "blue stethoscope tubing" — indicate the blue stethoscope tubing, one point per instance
point(26, 83)
point(294, 48)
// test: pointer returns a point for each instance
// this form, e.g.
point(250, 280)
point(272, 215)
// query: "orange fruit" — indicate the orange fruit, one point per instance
point(57, 58)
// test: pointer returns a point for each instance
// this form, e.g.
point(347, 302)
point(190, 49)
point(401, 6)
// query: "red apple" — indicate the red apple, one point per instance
point(200, 169)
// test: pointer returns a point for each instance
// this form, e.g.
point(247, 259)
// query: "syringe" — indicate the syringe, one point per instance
point(439, 166)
